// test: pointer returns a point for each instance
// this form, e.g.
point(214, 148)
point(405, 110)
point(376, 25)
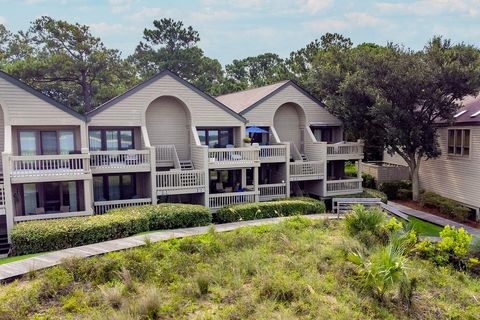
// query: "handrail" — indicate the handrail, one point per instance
point(103, 206)
point(273, 151)
point(119, 158)
point(49, 165)
point(177, 179)
point(219, 200)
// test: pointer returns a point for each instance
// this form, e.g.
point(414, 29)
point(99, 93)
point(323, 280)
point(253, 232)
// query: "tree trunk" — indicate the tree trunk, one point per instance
point(415, 182)
point(86, 92)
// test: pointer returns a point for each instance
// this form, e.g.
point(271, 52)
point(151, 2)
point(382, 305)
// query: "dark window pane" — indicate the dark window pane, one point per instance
point(52, 196)
point(128, 187)
point(66, 142)
point(69, 190)
point(202, 135)
point(112, 139)
point(28, 143)
point(114, 188)
point(224, 138)
point(98, 188)
point(213, 138)
point(95, 140)
point(30, 198)
point(126, 139)
point(49, 142)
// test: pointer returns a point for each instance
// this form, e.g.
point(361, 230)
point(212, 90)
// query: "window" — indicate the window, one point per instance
point(111, 139)
point(216, 138)
point(52, 197)
point(323, 134)
point(114, 187)
point(458, 142)
point(46, 142)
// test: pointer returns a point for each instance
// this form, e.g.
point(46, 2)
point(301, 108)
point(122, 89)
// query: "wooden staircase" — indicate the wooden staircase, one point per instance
point(4, 245)
point(304, 157)
point(186, 165)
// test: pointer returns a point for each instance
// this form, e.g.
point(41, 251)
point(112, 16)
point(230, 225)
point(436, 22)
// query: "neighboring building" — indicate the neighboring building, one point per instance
point(455, 174)
point(164, 140)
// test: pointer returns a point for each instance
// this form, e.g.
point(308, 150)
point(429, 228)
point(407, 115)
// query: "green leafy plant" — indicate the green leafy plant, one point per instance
point(279, 208)
point(368, 181)
point(446, 206)
point(367, 224)
point(392, 188)
point(247, 140)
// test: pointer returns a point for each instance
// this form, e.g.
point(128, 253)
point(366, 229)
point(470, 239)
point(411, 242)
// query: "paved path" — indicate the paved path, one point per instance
point(433, 218)
point(18, 268)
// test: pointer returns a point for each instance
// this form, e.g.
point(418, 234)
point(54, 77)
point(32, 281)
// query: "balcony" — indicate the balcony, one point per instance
point(345, 186)
point(120, 161)
point(272, 191)
point(273, 153)
point(40, 168)
point(220, 200)
point(306, 170)
point(180, 182)
point(245, 157)
point(103, 206)
point(345, 151)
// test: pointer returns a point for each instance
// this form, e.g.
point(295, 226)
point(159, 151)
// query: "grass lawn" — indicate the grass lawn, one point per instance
point(17, 258)
point(294, 270)
point(425, 228)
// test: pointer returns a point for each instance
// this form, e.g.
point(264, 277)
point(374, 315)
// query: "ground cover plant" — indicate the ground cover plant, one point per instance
point(298, 269)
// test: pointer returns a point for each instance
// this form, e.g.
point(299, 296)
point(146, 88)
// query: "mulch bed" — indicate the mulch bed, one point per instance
point(415, 205)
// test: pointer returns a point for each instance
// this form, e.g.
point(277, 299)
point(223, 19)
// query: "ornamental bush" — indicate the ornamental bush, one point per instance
point(48, 235)
point(279, 208)
point(446, 206)
point(392, 188)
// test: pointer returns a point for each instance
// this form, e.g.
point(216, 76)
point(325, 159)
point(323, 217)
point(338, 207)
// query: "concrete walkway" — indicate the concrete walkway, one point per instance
point(433, 218)
point(21, 267)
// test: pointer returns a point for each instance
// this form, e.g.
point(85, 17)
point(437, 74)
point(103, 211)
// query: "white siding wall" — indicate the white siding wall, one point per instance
point(456, 178)
point(23, 108)
point(262, 114)
point(131, 110)
point(168, 123)
point(287, 122)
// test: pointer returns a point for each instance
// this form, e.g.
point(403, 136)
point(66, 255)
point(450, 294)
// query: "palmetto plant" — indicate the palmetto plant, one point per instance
point(383, 270)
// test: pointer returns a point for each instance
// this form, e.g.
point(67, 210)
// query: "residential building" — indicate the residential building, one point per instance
point(455, 174)
point(165, 140)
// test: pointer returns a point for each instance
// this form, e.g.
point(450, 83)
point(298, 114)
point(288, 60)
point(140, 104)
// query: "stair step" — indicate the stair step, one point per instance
point(186, 165)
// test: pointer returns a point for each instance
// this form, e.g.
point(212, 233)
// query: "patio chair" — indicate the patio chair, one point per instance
point(233, 156)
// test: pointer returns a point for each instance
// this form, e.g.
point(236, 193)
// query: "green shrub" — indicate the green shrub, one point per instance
point(281, 208)
point(368, 181)
point(391, 188)
point(368, 193)
point(404, 194)
point(48, 235)
point(446, 206)
point(366, 224)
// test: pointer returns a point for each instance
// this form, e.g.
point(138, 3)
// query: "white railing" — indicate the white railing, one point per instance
point(345, 149)
point(220, 200)
point(272, 191)
point(176, 179)
point(306, 168)
point(224, 157)
point(104, 206)
point(49, 165)
point(120, 159)
point(273, 153)
point(167, 154)
point(345, 186)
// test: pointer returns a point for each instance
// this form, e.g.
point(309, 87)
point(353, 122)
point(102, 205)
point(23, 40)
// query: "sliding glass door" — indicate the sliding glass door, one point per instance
point(46, 142)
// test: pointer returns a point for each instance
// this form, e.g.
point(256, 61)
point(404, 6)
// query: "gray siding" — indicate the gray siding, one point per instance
point(288, 123)
point(454, 177)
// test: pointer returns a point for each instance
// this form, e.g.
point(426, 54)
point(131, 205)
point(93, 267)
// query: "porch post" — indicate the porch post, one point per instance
point(287, 169)
point(153, 175)
point(88, 188)
point(244, 178)
point(255, 183)
point(8, 196)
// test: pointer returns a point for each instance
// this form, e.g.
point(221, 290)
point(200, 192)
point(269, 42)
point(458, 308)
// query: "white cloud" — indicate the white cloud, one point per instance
point(348, 21)
point(432, 7)
point(118, 6)
point(3, 20)
point(314, 6)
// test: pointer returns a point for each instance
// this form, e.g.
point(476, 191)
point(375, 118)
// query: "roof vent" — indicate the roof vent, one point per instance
point(475, 114)
point(459, 114)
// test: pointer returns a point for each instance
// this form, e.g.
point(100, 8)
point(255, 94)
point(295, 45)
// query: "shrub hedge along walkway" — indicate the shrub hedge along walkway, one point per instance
point(18, 268)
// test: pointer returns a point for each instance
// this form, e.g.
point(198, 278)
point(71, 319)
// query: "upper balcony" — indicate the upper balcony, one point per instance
point(307, 170)
point(345, 150)
point(113, 161)
point(344, 186)
point(39, 168)
point(231, 157)
point(273, 153)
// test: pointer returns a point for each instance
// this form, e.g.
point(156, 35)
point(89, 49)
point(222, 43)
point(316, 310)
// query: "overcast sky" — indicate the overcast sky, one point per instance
point(231, 29)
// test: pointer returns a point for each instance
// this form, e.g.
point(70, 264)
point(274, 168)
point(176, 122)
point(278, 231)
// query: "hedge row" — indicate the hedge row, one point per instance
point(400, 189)
point(48, 235)
point(446, 206)
point(278, 208)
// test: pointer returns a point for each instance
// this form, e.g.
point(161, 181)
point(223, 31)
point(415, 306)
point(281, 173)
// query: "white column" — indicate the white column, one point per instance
point(153, 174)
point(244, 178)
point(88, 186)
point(8, 193)
point(287, 170)
point(255, 183)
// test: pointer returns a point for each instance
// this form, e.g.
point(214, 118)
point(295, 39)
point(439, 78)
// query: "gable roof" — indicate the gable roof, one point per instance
point(156, 77)
point(470, 112)
point(40, 95)
point(241, 100)
point(246, 100)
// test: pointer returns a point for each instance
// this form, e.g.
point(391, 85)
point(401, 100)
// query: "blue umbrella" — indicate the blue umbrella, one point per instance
point(256, 130)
